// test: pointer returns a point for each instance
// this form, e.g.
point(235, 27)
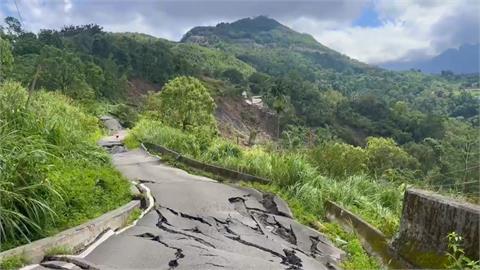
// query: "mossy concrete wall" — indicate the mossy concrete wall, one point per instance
point(426, 221)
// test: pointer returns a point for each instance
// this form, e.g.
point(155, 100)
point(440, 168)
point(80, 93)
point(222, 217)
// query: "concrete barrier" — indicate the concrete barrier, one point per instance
point(77, 238)
point(427, 219)
point(224, 172)
point(373, 240)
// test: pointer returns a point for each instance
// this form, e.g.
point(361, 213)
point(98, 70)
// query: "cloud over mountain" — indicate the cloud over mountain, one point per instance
point(374, 31)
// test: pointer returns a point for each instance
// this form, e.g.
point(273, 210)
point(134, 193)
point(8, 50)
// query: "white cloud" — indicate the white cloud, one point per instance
point(410, 29)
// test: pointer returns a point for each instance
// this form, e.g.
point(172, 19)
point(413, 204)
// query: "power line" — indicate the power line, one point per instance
point(456, 184)
point(454, 171)
point(19, 14)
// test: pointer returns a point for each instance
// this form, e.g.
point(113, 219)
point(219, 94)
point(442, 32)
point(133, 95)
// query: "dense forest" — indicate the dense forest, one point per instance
point(347, 131)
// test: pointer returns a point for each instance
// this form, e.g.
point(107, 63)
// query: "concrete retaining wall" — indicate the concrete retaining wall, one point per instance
point(426, 221)
point(76, 238)
point(224, 172)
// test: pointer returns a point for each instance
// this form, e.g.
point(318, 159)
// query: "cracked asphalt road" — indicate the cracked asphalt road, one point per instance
point(198, 223)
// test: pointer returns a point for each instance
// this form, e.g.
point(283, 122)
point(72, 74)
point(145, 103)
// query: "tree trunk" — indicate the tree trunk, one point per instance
point(32, 86)
point(278, 125)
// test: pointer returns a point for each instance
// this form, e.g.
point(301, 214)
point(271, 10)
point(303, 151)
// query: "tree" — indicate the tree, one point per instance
point(259, 83)
point(14, 27)
point(26, 43)
point(384, 154)
point(50, 37)
point(462, 152)
point(339, 159)
point(186, 104)
point(6, 58)
point(279, 105)
point(62, 70)
point(233, 75)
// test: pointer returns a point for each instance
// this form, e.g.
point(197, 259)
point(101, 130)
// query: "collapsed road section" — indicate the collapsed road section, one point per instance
point(198, 223)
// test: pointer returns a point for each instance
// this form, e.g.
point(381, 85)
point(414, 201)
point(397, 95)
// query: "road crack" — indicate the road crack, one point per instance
point(278, 229)
point(289, 259)
point(268, 201)
point(162, 220)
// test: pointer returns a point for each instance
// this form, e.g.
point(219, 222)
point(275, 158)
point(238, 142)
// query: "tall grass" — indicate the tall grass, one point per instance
point(52, 173)
point(22, 206)
point(376, 201)
point(156, 132)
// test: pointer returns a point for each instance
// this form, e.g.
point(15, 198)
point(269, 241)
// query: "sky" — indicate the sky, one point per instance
point(372, 31)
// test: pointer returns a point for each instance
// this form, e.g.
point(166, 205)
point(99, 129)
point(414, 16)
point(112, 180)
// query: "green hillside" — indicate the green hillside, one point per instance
point(271, 47)
point(346, 131)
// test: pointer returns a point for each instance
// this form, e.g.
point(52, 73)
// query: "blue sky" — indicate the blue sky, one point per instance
point(373, 31)
point(368, 18)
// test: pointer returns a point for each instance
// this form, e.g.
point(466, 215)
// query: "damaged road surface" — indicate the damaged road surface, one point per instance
point(198, 223)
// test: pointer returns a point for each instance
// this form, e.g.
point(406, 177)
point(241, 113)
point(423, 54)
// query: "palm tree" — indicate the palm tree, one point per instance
point(279, 105)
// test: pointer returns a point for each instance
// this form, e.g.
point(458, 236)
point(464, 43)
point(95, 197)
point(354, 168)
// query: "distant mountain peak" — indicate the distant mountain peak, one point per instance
point(246, 38)
point(256, 24)
point(261, 30)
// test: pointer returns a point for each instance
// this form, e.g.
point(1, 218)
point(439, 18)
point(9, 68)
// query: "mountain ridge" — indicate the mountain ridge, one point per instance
point(269, 36)
point(462, 60)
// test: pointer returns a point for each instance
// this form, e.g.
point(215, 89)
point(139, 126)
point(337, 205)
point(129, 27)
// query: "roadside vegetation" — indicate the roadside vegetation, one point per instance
point(53, 175)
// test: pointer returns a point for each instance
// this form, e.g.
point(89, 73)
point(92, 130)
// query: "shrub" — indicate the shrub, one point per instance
point(384, 154)
point(456, 254)
point(13, 262)
point(339, 159)
point(125, 114)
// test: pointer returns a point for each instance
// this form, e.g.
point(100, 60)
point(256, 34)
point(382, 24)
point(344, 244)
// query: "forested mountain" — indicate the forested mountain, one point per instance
point(272, 47)
point(312, 89)
point(325, 87)
point(464, 60)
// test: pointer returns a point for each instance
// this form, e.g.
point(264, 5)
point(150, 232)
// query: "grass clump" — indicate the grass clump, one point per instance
point(134, 215)
point(58, 250)
point(153, 131)
point(54, 176)
point(13, 262)
point(349, 242)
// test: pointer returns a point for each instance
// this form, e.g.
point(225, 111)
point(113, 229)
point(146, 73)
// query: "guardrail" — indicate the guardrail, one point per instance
point(224, 172)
